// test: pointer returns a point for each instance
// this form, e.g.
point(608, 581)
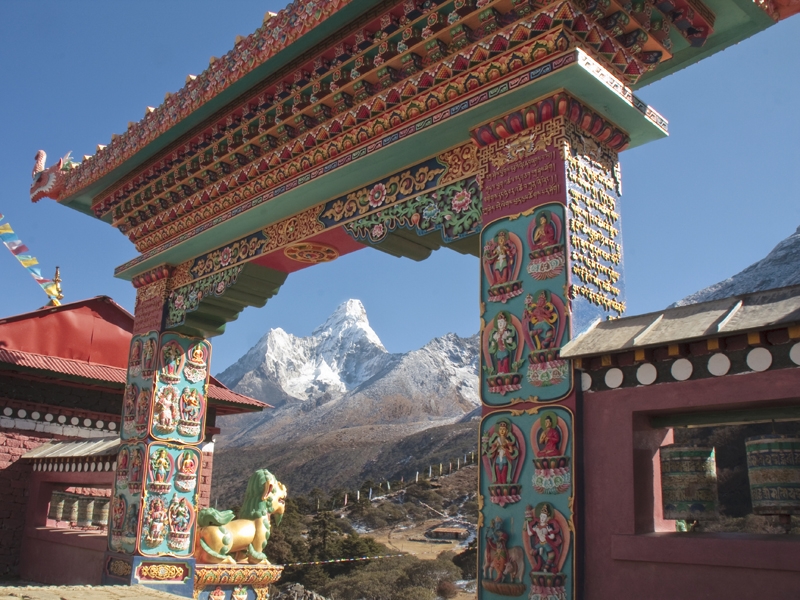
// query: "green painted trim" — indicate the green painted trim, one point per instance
point(454, 131)
point(736, 21)
point(727, 417)
point(82, 202)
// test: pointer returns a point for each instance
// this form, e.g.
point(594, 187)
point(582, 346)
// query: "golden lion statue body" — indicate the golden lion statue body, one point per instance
point(223, 539)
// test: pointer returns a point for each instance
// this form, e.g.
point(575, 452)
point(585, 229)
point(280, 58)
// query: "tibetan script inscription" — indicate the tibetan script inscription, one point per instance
point(595, 248)
point(516, 182)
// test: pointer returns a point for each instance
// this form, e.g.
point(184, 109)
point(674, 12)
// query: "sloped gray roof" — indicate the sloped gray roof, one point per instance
point(105, 446)
point(680, 324)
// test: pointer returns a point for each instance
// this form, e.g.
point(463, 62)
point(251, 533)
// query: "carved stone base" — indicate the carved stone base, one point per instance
point(238, 582)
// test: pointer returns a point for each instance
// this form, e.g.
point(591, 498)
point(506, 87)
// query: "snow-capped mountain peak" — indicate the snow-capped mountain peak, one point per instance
point(338, 356)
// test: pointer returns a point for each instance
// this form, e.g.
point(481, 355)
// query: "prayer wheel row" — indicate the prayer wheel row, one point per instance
point(84, 511)
point(689, 479)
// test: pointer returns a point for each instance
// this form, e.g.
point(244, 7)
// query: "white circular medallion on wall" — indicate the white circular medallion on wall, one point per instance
point(22, 413)
point(74, 420)
point(99, 424)
point(35, 415)
point(614, 378)
point(112, 426)
point(682, 369)
point(586, 382)
point(48, 417)
point(8, 411)
point(794, 354)
point(646, 373)
point(719, 364)
point(759, 359)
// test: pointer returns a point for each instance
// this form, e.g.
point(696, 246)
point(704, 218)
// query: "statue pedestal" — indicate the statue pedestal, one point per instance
point(234, 582)
point(165, 573)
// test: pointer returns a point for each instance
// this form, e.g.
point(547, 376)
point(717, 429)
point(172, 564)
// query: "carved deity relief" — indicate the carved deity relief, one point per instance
point(160, 471)
point(179, 405)
point(154, 522)
point(547, 540)
point(191, 408)
point(172, 359)
point(503, 344)
point(545, 238)
point(503, 458)
point(502, 262)
point(181, 517)
point(503, 564)
point(188, 464)
point(197, 363)
point(550, 441)
point(545, 320)
point(142, 411)
point(165, 414)
point(135, 360)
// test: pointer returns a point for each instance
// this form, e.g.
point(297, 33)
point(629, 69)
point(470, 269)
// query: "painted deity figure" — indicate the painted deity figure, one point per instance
point(188, 463)
point(117, 513)
point(542, 319)
point(549, 438)
point(160, 465)
point(190, 404)
point(497, 545)
point(502, 448)
point(129, 401)
point(131, 520)
point(547, 539)
point(166, 408)
point(155, 521)
point(544, 234)
point(136, 465)
point(171, 356)
point(149, 356)
point(500, 255)
point(179, 514)
point(502, 343)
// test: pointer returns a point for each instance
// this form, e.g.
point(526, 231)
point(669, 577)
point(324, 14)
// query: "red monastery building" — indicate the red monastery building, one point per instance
point(62, 377)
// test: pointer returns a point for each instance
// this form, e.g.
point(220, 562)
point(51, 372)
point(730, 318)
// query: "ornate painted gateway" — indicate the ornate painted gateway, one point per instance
point(488, 126)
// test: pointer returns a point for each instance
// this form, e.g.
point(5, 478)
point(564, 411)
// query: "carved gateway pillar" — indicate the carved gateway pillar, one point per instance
point(153, 510)
point(551, 264)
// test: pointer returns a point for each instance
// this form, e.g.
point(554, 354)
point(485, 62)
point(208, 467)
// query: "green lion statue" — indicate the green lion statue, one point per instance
point(223, 539)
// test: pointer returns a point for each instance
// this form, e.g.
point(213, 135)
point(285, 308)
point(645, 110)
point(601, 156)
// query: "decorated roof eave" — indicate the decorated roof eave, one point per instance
point(736, 20)
point(82, 201)
point(585, 79)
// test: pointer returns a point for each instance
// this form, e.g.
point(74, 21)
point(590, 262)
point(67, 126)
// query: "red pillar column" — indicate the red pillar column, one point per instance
point(153, 512)
point(549, 265)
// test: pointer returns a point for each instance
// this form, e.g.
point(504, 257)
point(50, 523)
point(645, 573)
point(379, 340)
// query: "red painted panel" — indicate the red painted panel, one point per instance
point(96, 331)
point(335, 238)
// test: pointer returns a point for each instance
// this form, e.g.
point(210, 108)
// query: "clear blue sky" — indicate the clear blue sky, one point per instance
point(697, 207)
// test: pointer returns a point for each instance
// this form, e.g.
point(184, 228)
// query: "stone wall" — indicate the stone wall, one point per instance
point(14, 474)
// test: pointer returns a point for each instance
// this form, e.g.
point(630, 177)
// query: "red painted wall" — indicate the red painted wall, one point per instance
point(14, 476)
point(628, 550)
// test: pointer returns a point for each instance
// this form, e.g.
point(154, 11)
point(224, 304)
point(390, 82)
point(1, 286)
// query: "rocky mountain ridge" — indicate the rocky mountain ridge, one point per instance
point(341, 396)
point(779, 268)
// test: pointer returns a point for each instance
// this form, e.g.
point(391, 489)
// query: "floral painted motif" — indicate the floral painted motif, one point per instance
point(426, 213)
point(187, 298)
point(389, 191)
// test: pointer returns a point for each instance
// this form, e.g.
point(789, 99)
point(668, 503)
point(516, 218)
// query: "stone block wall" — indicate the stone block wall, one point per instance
point(14, 474)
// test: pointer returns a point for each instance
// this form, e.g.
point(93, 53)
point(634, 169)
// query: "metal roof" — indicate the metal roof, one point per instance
point(63, 366)
point(105, 446)
point(108, 374)
point(769, 309)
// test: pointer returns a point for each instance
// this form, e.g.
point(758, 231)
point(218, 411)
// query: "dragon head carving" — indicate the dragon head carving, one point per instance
point(49, 182)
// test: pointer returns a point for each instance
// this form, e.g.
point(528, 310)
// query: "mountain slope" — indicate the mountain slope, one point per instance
point(342, 400)
point(781, 267)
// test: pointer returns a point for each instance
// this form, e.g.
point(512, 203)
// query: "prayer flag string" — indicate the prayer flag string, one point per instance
point(23, 255)
point(344, 560)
